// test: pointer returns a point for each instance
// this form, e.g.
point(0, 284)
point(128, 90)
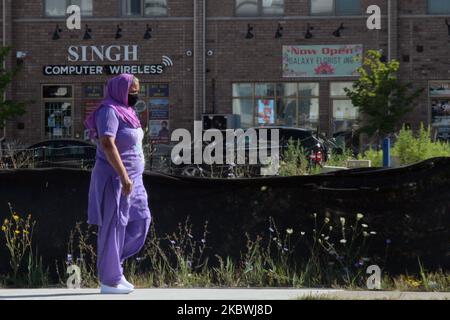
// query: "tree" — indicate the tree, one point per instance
point(8, 108)
point(380, 96)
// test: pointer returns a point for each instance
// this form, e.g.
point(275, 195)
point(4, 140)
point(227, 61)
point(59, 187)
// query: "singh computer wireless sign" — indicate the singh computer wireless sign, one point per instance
point(89, 55)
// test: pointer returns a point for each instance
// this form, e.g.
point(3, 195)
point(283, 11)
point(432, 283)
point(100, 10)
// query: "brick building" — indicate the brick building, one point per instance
point(197, 57)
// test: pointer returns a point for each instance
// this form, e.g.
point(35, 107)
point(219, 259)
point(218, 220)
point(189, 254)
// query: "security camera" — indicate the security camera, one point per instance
point(210, 53)
point(189, 53)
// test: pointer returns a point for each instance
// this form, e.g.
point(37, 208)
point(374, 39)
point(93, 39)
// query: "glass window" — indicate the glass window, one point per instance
point(336, 7)
point(242, 90)
point(287, 104)
point(58, 116)
point(246, 7)
point(337, 88)
point(322, 7)
point(131, 8)
point(308, 113)
point(287, 112)
point(273, 7)
point(55, 91)
point(438, 6)
point(308, 89)
point(244, 107)
point(55, 8)
point(345, 115)
point(85, 5)
point(259, 7)
point(348, 7)
point(155, 7)
point(265, 90)
point(287, 89)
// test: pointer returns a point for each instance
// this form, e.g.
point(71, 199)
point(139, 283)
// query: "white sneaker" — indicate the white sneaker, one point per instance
point(120, 289)
point(125, 283)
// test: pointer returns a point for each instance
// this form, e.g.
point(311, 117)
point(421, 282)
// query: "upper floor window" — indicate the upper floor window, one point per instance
point(336, 7)
point(259, 7)
point(144, 7)
point(438, 6)
point(57, 8)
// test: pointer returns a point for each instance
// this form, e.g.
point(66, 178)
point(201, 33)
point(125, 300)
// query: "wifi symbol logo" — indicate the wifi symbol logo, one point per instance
point(167, 62)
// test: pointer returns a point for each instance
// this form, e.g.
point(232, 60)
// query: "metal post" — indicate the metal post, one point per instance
point(387, 152)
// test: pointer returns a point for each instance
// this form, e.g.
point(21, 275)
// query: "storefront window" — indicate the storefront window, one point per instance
point(259, 7)
point(345, 115)
point(438, 6)
point(439, 93)
point(144, 7)
point(289, 104)
point(58, 111)
point(336, 7)
point(57, 8)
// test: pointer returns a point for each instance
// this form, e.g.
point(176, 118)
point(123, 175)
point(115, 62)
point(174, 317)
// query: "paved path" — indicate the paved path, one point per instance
point(216, 294)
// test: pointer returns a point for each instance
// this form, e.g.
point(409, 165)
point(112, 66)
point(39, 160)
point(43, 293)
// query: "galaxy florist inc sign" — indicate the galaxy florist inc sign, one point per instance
point(112, 53)
point(321, 61)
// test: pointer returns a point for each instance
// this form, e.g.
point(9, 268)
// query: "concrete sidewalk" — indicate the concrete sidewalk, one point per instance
point(217, 294)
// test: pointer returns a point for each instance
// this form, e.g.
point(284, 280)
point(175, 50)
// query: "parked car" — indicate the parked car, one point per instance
point(55, 153)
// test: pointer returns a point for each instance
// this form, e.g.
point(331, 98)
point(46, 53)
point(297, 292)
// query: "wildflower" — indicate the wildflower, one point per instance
point(331, 228)
point(172, 242)
point(271, 230)
point(17, 231)
point(364, 225)
point(15, 217)
point(365, 234)
point(190, 236)
point(279, 244)
point(69, 258)
point(320, 240)
point(373, 233)
point(315, 215)
point(327, 220)
point(203, 241)
point(289, 231)
point(327, 238)
point(342, 221)
point(263, 188)
point(3, 228)
point(138, 259)
point(274, 238)
point(302, 233)
point(343, 241)
point(359, 216)
point(285, 249)
point(25, 232)
point(6, 221)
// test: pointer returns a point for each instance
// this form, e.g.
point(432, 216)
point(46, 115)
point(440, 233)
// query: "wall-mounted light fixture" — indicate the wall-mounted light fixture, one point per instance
point(56, 33)
point(87, 33)
point(279, 32)
point(337, 32)
point(118, 32)
point(308, 34)
point(249, 34)
point(148, 33)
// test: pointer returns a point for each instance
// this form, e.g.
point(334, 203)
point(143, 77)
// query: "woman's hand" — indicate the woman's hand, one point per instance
point(127, 185)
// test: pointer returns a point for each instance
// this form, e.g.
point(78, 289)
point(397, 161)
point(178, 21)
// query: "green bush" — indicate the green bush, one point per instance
point(376, 157)
point(410, 149)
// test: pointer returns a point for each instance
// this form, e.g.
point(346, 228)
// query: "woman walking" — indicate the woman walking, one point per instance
point(117, 201)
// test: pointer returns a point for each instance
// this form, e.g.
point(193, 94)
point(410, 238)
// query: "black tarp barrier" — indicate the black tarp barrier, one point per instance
point(410, 206)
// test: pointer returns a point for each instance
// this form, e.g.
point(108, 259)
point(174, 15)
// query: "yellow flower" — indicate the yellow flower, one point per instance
point(289, 231)
point(6, 221)
point(3, 228)
point(16, 217)
point(17, 232)
point(25, 232)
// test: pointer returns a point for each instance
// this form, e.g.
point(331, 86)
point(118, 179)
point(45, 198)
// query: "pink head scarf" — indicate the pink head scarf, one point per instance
point(116, 98)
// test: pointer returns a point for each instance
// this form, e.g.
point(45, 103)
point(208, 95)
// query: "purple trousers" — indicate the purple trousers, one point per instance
point(123, 222)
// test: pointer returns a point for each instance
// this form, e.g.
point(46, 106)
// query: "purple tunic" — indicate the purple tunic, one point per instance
point(129, 144)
